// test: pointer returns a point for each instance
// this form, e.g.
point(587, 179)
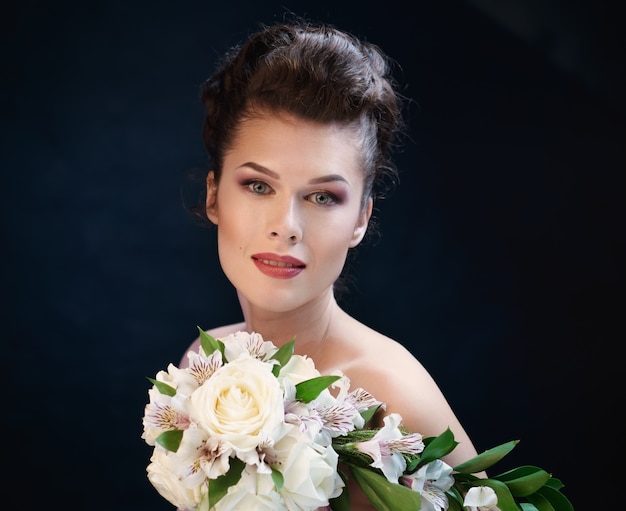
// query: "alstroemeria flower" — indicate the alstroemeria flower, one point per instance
point(388, 444)
point(202, 367)
point(200, 456)
point(244, 343)
point(163, 413)
point(431, 481)
point(362, 400)
point(481, 498)
point(300, 414)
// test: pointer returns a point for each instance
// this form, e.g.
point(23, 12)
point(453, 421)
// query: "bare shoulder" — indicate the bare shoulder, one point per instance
point(363, 351)
point(387, 369)
point(220, 331)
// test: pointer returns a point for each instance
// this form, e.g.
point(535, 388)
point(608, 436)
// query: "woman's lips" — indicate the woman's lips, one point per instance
point(277, 266)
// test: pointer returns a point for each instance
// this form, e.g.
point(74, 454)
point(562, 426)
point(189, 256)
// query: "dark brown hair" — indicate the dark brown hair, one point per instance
point(313, 71)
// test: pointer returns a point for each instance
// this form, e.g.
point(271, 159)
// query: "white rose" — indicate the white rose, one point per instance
point(309, 472)
point(298, 369)
point(166, 482)
point(253, 492)
point(241, 404)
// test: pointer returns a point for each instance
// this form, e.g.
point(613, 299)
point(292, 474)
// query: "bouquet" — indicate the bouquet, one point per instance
point(250, 426)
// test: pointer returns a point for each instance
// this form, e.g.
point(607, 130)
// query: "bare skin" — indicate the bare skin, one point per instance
point(291, 187)
point(387, 370)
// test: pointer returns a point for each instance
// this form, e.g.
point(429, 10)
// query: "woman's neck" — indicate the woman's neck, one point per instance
point(309, 324)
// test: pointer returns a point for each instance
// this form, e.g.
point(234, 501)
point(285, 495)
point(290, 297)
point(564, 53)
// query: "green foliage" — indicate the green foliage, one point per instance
point(486, 459)
point(370, 412)
point(163, 388)
point(308, 390)
point(210, 344)
point(438, 447)
point(527, 487)
point(385, 495)
point(170, 439)
point(283, 355)
point(219, 486)
point(522, 481)
point(342, 502)
point(278, 479)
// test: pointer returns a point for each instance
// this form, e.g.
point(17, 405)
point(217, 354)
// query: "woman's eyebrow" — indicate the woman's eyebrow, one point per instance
point(260, 168)
point(315, 181)
point(327, 179)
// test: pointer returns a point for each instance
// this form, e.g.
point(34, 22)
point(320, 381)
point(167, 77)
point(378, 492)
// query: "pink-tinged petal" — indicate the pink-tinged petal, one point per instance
point(337, 419)
point(408, 444)
point(362, 400)
point(392, 464)
point(165, 417)
point(202, 368)
point(373, 449)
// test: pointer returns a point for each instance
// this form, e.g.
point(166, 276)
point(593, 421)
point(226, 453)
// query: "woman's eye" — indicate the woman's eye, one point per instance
point(258, 187)
point(322, 198)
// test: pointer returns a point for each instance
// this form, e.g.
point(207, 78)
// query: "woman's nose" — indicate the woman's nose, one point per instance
point(285, 223)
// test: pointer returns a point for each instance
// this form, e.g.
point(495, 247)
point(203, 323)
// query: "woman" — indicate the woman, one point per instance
point(300, 125)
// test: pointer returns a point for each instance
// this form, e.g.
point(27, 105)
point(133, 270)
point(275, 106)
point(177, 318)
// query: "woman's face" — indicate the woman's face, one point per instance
point(287, 209)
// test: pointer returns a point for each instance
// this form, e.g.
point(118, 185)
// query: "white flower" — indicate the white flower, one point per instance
point(201, 368)
point(163, 477)
point(309, 472)
point(241, 404)
point(247, 344)
point(253, 492)
point(431, 481)
point(163, 413)
point(388, 444)
point(340, 414)
point(200, 456)
point(298, 369)
point(300, 414)
point(481, 498)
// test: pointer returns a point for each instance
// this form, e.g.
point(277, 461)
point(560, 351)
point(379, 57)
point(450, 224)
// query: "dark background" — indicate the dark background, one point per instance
point(497, 265)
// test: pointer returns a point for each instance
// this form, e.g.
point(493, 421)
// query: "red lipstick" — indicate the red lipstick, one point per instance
point(277, 266)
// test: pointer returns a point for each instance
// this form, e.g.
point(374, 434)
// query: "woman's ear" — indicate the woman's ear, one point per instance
point(361, 227)
point(211, 197)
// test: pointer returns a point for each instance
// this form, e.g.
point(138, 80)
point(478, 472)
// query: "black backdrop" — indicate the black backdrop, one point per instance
point(497, 264)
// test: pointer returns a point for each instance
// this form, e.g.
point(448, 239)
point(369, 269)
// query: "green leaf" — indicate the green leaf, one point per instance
point(210, 344)
point(486, 459)
point(369, 413)
point(527, 506)
point(438, 447)
point(342, 502)
point(555, 483)
point(170, 439)
point(454, 505)
point(283, 355)
point(540, 502)
point(524, 480)
point(163, 388)
point(559, 501)
point(384, 495)
point(278, 479)
point(308, 390)
point(455, 499)
point(219, 486)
